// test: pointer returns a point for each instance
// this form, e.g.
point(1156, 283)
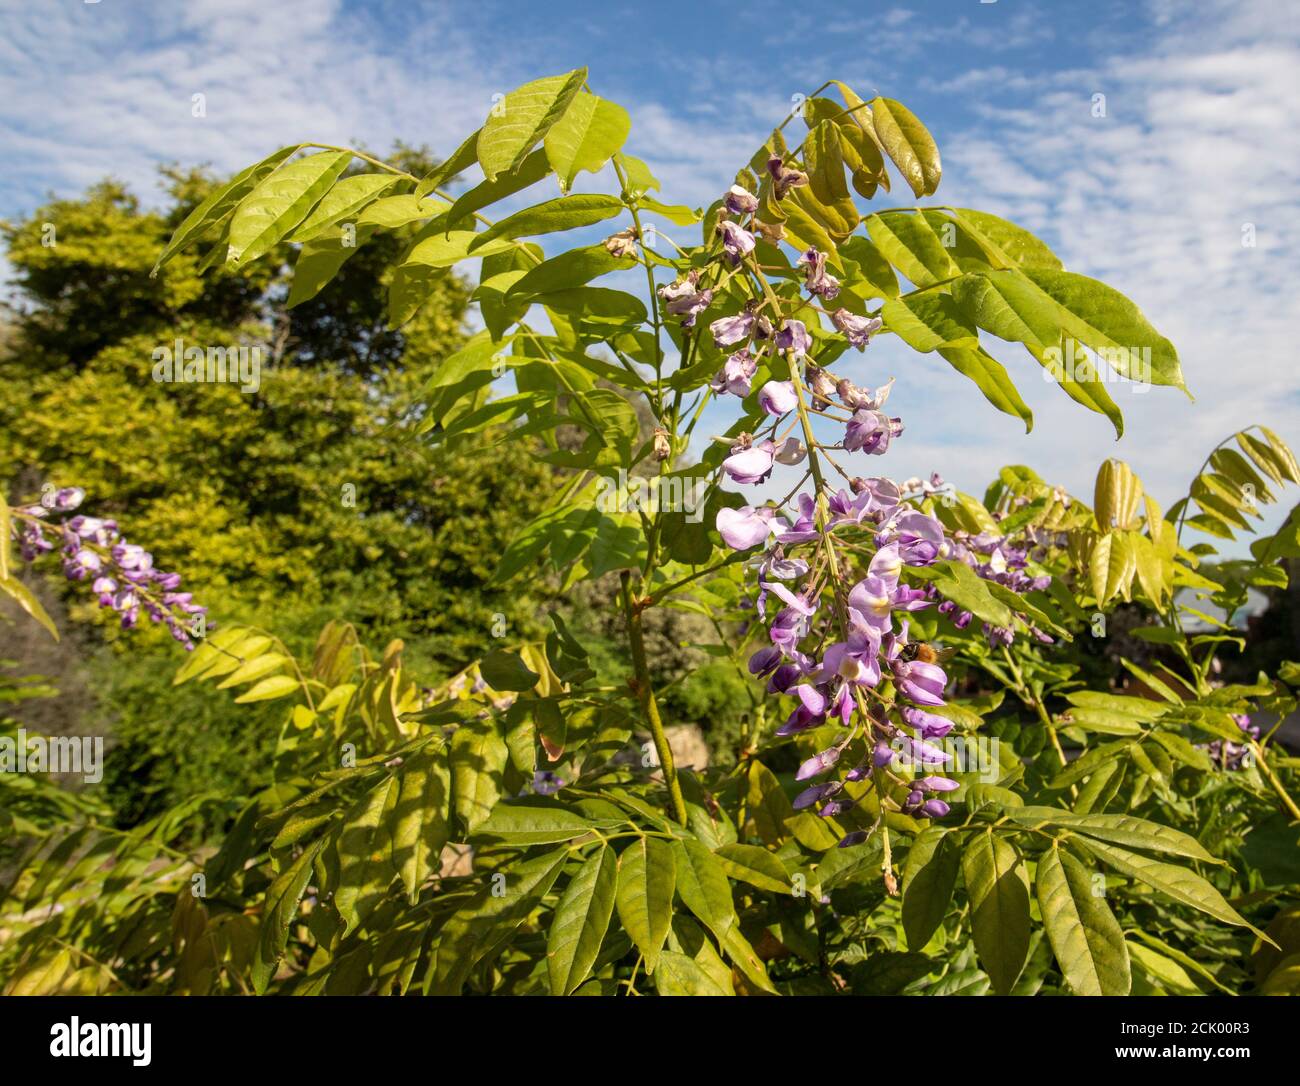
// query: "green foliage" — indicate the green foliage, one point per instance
point(505, 829)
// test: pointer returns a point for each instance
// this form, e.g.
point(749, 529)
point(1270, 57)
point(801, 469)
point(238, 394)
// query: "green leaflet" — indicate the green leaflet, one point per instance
point(504, 670)
point(909, 144)
point(573, 269)
point(1086, 938)
point(562, 213)
point(427, 262)
point(999, 902)
point(679, 975)
point(278, 910)
point(929, 876)
point(835, 207)
point(444, 250)
point(1110, 324)
point(596, 305)
point(363, 844)
point(530, 171)
point(521, 120)
point(742, 955)
point(909, 243)
point(219, 204)
point(874, 276)
point(1104, 721)
point(754, 865)
point(1175, 882)
point(18, 592)
point(277, 686)
point(862, 151)
point(1183, 751)
point(804, 229)
point(479, 355)
point(1078, 381)
point(461, 159)
point(319, 261)
point(959, 583)
point(486, 922)
point(703, 887)
point(580, 921)
point(343, 202)
point(533, 821)
point(394, 211)
point(212, 650)
point(591, 130)
point(647, 875)
point(478, 760)
point(1007, 239)
point(1112, 565)
point(280, 202)
point(421, 819)
point(927, 322)
point(1010, 306)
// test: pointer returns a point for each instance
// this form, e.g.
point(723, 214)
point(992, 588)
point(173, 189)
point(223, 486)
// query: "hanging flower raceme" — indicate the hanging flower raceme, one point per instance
point(850, 665)
point(836, 572)
point(122, 575)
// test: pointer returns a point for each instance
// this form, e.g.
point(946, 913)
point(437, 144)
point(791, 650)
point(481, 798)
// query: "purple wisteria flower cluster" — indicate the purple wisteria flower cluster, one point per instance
point(121, 574)
point(851, 664)
point(864, 673)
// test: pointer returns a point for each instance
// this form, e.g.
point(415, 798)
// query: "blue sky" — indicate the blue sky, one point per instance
point(1199, 138)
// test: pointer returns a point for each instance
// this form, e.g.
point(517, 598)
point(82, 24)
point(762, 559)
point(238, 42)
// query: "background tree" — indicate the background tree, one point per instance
point(304, 499)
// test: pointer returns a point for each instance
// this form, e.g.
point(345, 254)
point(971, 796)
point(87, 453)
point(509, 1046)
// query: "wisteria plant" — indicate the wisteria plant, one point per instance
point(966, 814)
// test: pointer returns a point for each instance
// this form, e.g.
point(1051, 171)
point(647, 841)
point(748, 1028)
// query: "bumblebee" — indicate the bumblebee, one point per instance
point(926, 653)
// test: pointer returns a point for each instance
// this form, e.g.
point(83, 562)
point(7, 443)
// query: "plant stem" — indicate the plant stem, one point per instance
point(1030, 698)
point(1276, 784)
point(649, 706)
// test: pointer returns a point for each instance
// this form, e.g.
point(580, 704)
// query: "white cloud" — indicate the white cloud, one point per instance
point(1152, 198)
point(1198, 139)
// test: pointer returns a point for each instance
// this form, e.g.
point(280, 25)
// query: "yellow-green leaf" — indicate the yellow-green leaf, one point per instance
point(277, 686)
point(521, 119)
point(581, 920)
point(999, 900)
point(909, 144)
point(1086, 938)
point(591, 130)
point(280, 202)
point(647, 874)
